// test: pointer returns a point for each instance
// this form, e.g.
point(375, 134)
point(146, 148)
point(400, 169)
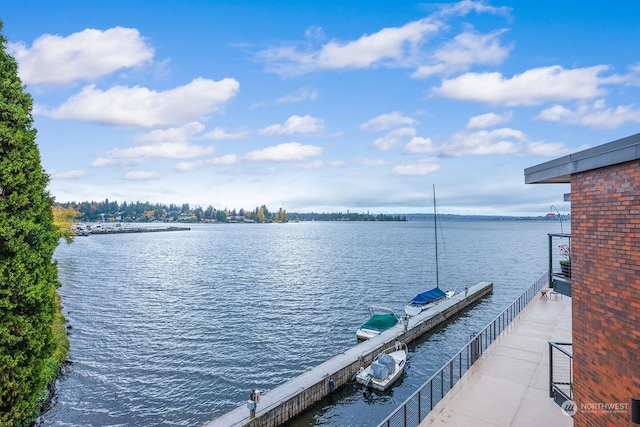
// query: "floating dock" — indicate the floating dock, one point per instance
point(284, 402)
point(121, 230)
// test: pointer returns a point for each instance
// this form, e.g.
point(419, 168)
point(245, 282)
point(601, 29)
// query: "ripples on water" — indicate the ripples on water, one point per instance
point(176, 328)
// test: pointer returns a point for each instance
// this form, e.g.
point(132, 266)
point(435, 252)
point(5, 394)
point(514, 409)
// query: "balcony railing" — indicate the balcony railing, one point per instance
point(560, 372)
point(560, 276)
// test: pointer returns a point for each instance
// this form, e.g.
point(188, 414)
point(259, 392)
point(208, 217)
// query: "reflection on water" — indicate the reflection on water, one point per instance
point(176, 328)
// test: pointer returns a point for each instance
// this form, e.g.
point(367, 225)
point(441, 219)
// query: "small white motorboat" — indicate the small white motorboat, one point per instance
point(382, 318)
point(386, 367)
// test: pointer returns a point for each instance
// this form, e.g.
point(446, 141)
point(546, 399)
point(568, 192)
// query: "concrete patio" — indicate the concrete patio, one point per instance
point(509, 384)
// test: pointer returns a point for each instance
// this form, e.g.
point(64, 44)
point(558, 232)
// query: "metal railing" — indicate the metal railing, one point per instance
point(560, 277)
point(423, 400)
point(560, 371)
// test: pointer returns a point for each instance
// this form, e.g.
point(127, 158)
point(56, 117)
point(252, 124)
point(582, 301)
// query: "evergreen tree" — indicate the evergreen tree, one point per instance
point(28, 237)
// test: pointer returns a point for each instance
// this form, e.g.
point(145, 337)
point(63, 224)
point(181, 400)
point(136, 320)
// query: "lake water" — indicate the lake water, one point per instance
point(176, 328)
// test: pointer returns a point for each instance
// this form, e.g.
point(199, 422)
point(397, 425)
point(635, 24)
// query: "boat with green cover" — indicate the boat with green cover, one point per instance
point(381, 319)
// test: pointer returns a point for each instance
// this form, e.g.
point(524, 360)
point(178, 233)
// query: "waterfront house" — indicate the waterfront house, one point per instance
point(605, 278)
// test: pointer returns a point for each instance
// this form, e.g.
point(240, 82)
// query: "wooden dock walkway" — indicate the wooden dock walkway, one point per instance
point(284, 402)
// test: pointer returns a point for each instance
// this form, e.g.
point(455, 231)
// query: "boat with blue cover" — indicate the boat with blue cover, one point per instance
point(428, 299)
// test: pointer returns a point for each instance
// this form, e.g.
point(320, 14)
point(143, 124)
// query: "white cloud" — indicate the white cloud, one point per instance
point(366, 161)
point(633, 78)
point(295, 124)
point(532, 87)
point(465, 7)
point(287, 152)
point(498, 141)
point(168, 143)
point(314, 33)
point(393, 138)
point(136, 155)
point(465, 50)
point(400, 46)
point(142, 107)
point(67, 174)
point(424, 167)
point(557, 113)
point(487, 120)
point(316, 164)
point(337, 163)
point(219, 133)
point(175, 134)
point(387, 121)
point(143, 175)
point(420, 145)
point(303, 94)
point(188, 166)
point(595, 115)
point(394, 45)
point(549, 149)
point(86, 55)
point(229, 159)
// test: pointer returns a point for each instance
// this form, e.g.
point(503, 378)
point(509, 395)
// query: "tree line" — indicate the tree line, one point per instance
point(109, 210)
point(147, 212)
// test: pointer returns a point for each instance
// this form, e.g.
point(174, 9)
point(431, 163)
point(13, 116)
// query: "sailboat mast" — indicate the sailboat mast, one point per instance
point(435, 231)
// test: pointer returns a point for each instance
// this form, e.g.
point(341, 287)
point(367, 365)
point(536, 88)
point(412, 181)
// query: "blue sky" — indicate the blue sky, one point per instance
point(323, 106)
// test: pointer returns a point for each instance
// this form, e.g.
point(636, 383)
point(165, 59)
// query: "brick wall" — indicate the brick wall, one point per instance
point(605, 228)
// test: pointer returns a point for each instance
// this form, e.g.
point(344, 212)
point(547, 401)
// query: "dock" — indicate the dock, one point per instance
point(122, 230)
point(284, 402)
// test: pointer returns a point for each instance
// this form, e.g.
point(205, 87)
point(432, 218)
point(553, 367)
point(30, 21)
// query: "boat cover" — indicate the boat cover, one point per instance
point(379, 371)
point(428, 296)
point(387, 361)
point(380, 322)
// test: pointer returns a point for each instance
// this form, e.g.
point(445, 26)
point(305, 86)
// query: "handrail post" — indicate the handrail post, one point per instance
point(405, 415)
point(571, 378)
point(431, 395)
point(451, 374)
point(550, 369)
point(550, 261)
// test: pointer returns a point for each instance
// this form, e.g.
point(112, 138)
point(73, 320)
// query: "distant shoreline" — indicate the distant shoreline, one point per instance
point(416, 217)
point(139, 212)
point(453, 217)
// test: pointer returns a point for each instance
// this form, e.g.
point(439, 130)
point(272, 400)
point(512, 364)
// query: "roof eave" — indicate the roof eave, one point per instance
point(559, 171)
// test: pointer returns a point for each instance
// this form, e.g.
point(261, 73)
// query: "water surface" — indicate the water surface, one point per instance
point(176, 328)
